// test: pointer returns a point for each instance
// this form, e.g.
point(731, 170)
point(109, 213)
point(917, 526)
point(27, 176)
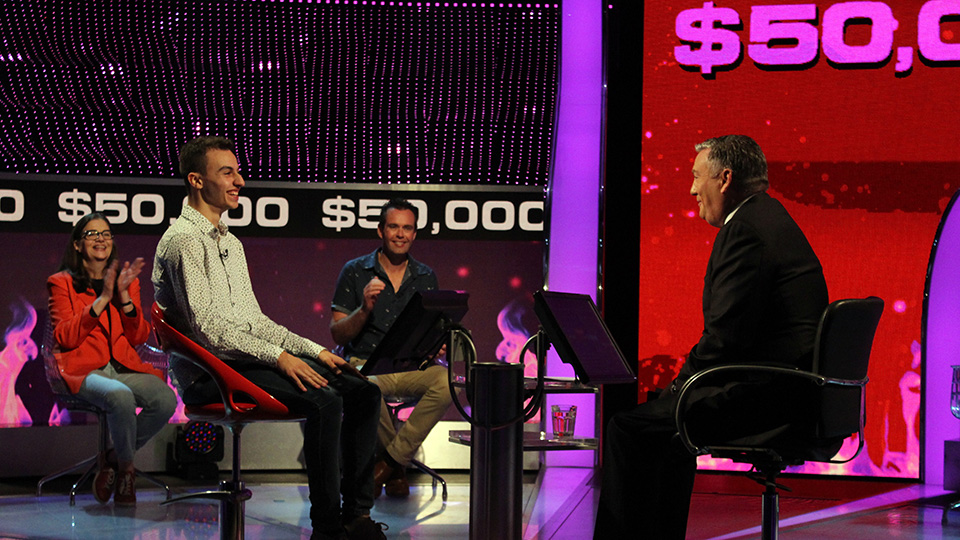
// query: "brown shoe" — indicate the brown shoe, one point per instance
point(397, 485)
point(104, 482)
point(126, 489)
point(381, 473)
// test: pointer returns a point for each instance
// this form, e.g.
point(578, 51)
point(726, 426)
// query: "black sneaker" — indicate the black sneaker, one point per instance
point(364, 528)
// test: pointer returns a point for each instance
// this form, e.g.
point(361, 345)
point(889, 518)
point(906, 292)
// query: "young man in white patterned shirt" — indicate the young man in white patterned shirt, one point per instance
point(201, 281)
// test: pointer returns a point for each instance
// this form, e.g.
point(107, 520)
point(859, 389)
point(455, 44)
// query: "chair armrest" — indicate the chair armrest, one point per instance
point(230, 383)
point(154, 356)
point(701, 379)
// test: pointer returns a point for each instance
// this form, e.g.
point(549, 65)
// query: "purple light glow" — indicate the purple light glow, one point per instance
point(941, 346)
point(575, 189)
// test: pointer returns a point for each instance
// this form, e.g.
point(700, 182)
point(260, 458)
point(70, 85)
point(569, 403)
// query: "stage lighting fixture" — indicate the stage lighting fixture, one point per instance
point(198, 448)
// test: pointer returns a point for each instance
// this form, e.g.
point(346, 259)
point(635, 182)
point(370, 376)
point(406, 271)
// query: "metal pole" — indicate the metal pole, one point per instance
point(232, 503)
point(770, 528)
point(496, 453)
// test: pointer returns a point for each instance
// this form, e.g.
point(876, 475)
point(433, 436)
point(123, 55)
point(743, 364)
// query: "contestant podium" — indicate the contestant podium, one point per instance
point(497, 390)
point(542, 441)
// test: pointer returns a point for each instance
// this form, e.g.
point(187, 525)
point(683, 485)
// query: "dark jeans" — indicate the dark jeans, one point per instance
point(341, 422)
point(647, 476)
point(648, 473)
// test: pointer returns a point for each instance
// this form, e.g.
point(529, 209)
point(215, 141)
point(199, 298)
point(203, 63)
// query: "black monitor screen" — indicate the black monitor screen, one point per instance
point(418, 333)
point(574, 325)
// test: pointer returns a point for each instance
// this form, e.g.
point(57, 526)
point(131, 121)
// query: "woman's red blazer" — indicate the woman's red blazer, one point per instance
point(81, 344)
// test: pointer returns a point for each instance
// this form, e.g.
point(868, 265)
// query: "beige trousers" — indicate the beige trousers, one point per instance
point(430, 386)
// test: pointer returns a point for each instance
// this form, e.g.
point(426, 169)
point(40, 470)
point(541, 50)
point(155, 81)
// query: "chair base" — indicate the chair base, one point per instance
point(232, 497)
point(770, 510)
point(766, 476)
point(395, 405)
point(91, 468)
point(91, 464)
point(434, 475)
point(949, 507)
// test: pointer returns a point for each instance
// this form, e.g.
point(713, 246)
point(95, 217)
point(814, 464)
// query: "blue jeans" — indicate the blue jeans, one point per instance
point(119, 395)
point(339, 434)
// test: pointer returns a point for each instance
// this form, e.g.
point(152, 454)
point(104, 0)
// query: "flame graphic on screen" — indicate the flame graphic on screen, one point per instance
point(18, 349)
point(514, 337)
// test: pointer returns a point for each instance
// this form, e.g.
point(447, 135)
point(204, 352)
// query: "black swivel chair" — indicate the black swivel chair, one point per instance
point(839, 376)
point(71, 402)
point(395, 404)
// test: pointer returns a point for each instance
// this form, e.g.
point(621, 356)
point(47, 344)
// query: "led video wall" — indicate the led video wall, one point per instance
point(323, 90)
point(854, 104)
point(335, 106)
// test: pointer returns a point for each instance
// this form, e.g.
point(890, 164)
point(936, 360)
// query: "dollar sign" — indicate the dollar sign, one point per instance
point(700, 25)
point(339, 213)
point(73, 207)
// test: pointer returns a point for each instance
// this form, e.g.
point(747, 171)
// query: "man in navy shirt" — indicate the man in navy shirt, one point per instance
point(371, 293)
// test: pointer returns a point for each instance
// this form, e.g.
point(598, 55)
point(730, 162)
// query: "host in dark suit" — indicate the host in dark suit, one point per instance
point(763, 295)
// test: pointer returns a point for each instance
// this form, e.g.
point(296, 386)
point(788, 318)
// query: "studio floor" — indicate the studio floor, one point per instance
point(558, 504)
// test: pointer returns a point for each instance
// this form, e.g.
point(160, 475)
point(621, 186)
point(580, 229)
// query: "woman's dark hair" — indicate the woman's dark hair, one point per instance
point(72, 262)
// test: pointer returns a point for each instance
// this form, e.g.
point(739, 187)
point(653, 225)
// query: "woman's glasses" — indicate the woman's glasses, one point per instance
point(90, 235)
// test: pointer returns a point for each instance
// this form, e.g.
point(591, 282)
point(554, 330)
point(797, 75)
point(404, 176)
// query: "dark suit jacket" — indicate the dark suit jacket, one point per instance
point(82, 340)
point(763, 295)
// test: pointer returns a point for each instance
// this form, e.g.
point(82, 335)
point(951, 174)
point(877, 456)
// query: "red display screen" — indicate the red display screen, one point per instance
point(854, 105)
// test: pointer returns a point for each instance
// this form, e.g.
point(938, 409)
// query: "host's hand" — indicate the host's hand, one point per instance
point(371, 292)
point(299, 372)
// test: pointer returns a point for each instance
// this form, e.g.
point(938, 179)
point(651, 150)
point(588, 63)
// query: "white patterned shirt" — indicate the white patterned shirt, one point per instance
point(201, 282)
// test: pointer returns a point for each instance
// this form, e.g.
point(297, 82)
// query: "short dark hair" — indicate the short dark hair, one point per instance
point(397, 204)
point(743, 156)
point(72, 262)
point(193, 154)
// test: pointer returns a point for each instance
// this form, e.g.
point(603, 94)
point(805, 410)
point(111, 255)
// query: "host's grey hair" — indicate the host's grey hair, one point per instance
point(743, 156)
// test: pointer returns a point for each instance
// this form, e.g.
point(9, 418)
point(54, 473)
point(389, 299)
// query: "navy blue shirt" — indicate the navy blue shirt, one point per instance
point(349, 296)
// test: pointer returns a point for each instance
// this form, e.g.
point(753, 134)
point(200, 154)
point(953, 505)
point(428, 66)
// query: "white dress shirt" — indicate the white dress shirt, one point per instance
point(201, 281)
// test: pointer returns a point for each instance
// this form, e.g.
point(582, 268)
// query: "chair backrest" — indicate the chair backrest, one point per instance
point(845, 337)
point(50, 368)
point(842, 351)
point(242, 401)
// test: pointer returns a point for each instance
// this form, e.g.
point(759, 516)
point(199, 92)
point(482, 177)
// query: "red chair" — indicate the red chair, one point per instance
point(242, 402)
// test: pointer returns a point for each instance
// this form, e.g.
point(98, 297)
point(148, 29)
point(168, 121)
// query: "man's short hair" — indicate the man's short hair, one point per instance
point(193, 154)
point(743, 156)
point(397, 204)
